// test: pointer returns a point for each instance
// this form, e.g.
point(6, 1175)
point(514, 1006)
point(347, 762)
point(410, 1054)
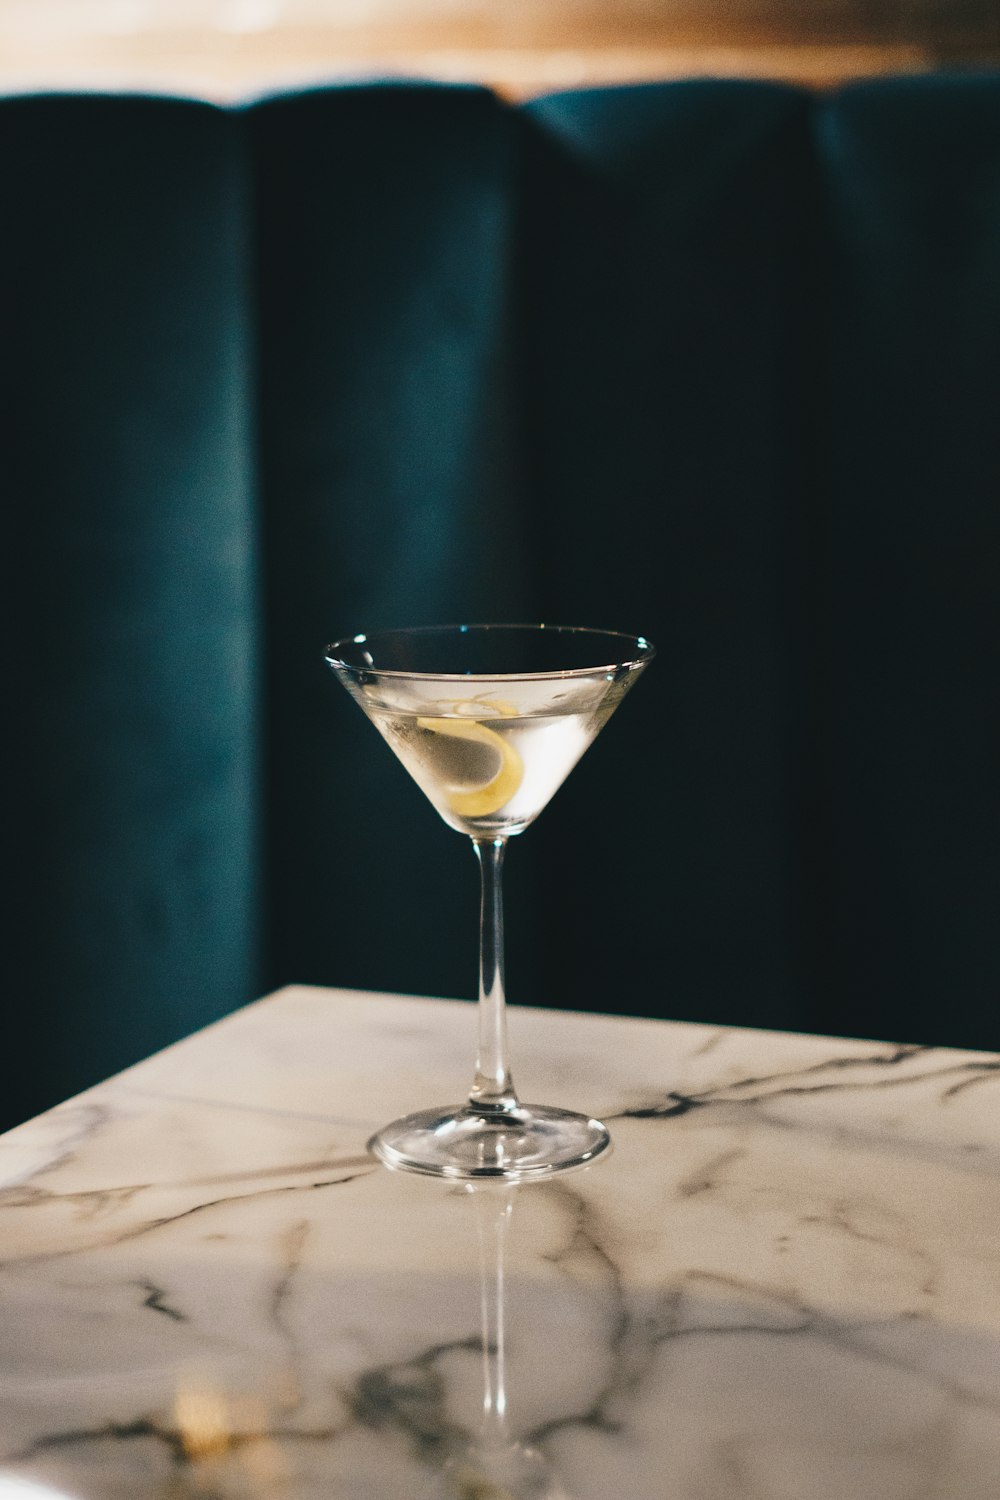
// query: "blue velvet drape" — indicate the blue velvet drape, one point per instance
point(711, 361)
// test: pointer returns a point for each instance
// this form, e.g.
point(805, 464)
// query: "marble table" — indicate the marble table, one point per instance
point(783, 1283)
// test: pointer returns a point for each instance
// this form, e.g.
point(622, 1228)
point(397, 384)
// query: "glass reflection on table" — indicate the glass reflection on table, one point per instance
point(494, 1464)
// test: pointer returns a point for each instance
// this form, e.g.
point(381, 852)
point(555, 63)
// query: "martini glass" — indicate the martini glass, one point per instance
point(489, 720)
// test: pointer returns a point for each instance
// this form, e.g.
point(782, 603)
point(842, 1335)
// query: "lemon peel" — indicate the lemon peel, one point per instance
point(483, 800)
point(472, 708)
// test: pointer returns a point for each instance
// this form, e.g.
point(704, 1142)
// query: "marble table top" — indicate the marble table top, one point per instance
point(782, 1283)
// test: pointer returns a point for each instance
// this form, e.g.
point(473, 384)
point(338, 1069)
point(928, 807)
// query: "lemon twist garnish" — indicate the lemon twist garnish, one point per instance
point(472, 708)
point(493, 794)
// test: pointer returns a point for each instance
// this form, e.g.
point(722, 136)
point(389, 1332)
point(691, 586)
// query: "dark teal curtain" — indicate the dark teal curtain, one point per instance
point(908, 542)
point(131, 612)
point(711, 361)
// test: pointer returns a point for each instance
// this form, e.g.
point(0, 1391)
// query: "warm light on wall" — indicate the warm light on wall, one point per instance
point(228, 49)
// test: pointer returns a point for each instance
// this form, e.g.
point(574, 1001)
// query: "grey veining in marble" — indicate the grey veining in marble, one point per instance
point(782, 1284)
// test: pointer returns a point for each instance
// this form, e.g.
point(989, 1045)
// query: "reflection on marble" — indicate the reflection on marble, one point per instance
point(493, 1460)
point(783, 1283)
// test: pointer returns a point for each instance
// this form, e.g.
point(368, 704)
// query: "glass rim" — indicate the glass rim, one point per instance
point(332, 654)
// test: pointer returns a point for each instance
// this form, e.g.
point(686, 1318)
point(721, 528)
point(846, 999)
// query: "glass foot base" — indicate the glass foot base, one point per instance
point(513, 1471)
point(531, 1140)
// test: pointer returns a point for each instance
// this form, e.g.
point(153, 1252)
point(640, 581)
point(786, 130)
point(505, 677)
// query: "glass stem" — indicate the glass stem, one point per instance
point(493, 1087)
